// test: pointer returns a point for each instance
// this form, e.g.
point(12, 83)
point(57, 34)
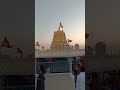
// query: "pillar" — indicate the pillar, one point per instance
point(70, 65)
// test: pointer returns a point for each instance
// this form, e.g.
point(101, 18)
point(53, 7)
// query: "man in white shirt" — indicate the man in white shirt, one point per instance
point(80, 83)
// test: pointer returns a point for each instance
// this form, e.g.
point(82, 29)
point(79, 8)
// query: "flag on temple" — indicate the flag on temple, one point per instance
point(19, 51)
point(6, 43)
point(61, 25)
point(37, 44)
point(43, 47)
point(69, 40)
point(87, 35)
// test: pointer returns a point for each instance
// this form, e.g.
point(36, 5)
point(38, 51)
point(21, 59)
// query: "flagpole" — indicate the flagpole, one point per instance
point(37, 45)
point(59, 28)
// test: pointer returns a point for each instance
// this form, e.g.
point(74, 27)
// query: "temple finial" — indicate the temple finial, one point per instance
point(61, 25)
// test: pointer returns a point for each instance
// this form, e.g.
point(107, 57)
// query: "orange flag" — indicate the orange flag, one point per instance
point(87, 35)
point(37, 44)
point(6, 43)
point(43, 47)
point(69, 40)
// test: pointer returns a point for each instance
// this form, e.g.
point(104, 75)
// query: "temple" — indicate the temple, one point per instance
point(59, 41)
point(58, 61)
point(60, 47)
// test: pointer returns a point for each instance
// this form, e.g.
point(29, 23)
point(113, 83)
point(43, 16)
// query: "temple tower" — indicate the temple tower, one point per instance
point(59, 41)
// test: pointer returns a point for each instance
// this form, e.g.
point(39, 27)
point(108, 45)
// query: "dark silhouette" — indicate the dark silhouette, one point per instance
point(6, 43)
point(82, 69)
point(74, 62)
point(41, 78)
point(87, 35)
point(100, 49)
point(75, 72)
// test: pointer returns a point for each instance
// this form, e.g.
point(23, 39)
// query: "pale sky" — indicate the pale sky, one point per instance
point(17, 24)
point(48, 15)
point(102, 18)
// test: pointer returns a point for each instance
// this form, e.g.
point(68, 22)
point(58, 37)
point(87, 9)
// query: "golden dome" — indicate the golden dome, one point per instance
point(59, 41)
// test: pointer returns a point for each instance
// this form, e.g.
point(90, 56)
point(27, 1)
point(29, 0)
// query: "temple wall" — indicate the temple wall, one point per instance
point(69, 53)
point(17, 67)
point(105, 63)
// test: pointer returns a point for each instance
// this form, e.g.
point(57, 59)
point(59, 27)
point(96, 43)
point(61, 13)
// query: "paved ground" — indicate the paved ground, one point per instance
point(59, 82)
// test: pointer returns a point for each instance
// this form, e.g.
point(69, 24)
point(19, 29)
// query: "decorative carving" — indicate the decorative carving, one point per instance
point(59, 41)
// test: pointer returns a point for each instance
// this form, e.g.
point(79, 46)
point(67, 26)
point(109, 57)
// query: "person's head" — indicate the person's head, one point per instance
point(42, 68)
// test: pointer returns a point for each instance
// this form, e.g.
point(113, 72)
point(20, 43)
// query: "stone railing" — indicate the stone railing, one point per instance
point(56, 67)
point(67, 53)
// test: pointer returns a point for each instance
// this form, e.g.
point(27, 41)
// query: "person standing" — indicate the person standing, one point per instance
point(80, 83)
point(41, 78)
point(75, 73)
point(74, 63)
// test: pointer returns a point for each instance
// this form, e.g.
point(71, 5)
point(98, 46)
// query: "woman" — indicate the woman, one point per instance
point(74, 63)
point(75, 73)
point(41, 78)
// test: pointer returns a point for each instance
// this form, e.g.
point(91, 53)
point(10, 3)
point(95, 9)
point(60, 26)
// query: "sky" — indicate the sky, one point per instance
point(103, 19)
point(48, 15)
point(17, 18)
